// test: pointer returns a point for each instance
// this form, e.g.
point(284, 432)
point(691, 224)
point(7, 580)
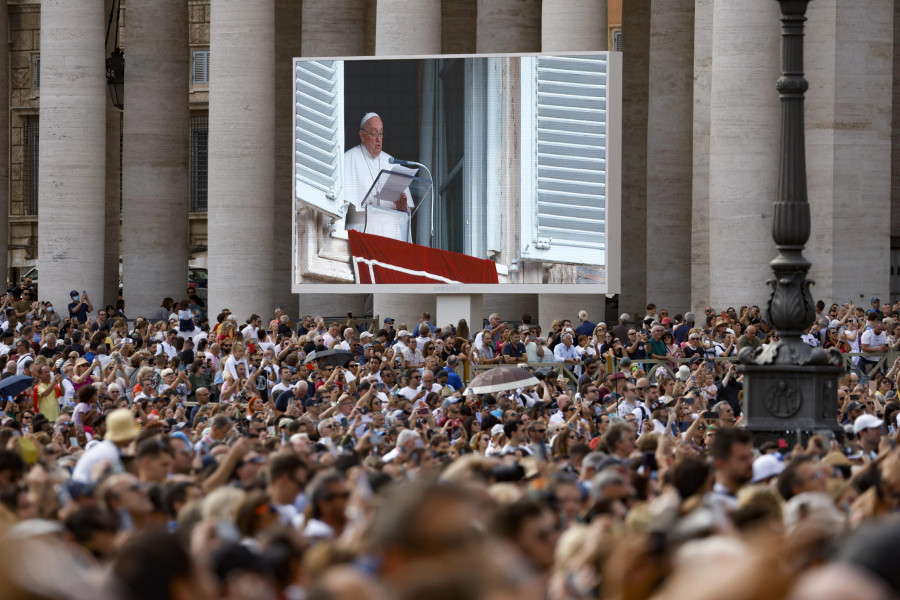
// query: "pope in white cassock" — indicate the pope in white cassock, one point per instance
point(362, 164)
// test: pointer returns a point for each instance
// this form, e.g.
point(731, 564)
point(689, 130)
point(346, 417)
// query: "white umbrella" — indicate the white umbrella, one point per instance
point(500, 379)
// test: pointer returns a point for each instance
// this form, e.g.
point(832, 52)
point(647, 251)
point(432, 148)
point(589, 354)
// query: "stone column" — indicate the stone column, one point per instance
point(703, 27)
point(573, 25)
point(113, 203)
point(288, 25)
point(4, 143)
point(848, 116)
point(72, 179)
point(669, 149)
point(404, 308)
point(635, 84)
point(407, 27)
point(458, 25)
point(743, 150)
point(155, 211)
point(566, 306)
point(242, 156)
point(895, 136)
point(508, 26)
point(333, 28)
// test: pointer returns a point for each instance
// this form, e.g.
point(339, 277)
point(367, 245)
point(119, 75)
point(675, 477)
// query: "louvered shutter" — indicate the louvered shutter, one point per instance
point(617, 40)
point(201, 67)
point(37, 72)
point(564, 199)
point(319, 134)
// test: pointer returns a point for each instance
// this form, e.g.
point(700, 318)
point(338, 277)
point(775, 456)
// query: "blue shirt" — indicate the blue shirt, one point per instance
point(453, 380)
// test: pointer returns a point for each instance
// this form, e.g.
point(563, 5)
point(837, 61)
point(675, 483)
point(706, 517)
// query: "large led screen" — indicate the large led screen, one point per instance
point(481, 174)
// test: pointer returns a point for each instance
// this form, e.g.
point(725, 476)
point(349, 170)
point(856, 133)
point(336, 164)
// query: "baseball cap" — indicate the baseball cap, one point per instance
point(854, 406)
point(388, 320)
point(402, 333)
point(765, 467)
point(625, 362)
point(365, 334)
point(496, 430)
point(875, 299)
point(866, 422)
point(666, 321)
point(696, 360)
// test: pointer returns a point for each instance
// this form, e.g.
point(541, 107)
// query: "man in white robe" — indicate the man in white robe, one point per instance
point(362, 164)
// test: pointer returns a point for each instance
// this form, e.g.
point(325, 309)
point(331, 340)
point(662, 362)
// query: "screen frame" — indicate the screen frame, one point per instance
point(613, 239)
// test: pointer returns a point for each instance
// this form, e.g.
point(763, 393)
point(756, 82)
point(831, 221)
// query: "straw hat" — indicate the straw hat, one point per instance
point(121, 426)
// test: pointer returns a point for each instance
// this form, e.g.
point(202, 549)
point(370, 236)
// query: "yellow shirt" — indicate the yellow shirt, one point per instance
point(48, 405)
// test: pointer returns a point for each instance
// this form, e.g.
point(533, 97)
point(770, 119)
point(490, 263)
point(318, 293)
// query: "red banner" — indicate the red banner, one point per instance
point(385, 260)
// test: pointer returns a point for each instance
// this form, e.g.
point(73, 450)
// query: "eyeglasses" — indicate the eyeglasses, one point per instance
point(101, 314)
point(377, 135)
point(228, 347)
point(641, 387)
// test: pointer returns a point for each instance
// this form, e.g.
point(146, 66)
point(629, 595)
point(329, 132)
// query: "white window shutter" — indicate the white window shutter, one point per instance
point(201, 67)
point(319, 134)
point(564, 194)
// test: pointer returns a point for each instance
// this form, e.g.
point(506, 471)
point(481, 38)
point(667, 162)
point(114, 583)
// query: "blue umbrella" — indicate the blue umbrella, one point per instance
point(12, 386)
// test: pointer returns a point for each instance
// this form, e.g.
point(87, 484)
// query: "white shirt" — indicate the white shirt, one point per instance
point(870, 338)
point(168, 348)
point(231, 366)
point(249, 333)
point(561, 353)
point(23, 363)
point(810, 339)
point(104, 451)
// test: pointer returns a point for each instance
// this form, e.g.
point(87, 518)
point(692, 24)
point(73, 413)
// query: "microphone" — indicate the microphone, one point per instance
point(404, 163)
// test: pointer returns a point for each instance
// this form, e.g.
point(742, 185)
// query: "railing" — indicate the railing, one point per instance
point(560, 368)
point(650, 366)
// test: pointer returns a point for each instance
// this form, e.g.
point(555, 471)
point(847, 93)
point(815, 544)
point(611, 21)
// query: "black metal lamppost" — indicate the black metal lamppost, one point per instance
point(115, 64)
point(790, 386)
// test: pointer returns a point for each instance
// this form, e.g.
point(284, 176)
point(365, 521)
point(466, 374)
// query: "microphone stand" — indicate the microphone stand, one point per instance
point(412, 163)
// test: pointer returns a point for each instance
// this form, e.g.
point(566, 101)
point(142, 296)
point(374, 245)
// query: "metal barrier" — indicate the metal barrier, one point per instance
point(560, 368)
point(884, 361)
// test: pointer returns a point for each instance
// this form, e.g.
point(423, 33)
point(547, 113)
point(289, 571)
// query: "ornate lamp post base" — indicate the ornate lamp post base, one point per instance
point(790, 386)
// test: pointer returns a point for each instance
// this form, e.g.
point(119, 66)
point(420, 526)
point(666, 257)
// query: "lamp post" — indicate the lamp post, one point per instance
point(790, 386)
point(115, 78)
point(115, 64)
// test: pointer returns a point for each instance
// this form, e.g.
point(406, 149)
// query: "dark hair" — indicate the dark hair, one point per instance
point(726, 438)
point(281, 464)
point(153, 447)
point(149, 563)
point(787, 480)
point(689, 475)
point(509, 519)
point(87, 394)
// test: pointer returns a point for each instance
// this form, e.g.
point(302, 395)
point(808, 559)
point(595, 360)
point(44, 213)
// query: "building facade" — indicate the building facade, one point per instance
point(197, 169)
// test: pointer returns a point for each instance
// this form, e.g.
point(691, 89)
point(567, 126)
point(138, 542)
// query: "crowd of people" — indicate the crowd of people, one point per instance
point(182, 456)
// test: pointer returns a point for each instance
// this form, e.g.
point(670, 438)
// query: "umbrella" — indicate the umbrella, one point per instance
point(12, 386)
point(336, 358)
point(499, 379)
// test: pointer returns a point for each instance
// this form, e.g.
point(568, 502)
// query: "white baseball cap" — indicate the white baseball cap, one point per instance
point(866, 421)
